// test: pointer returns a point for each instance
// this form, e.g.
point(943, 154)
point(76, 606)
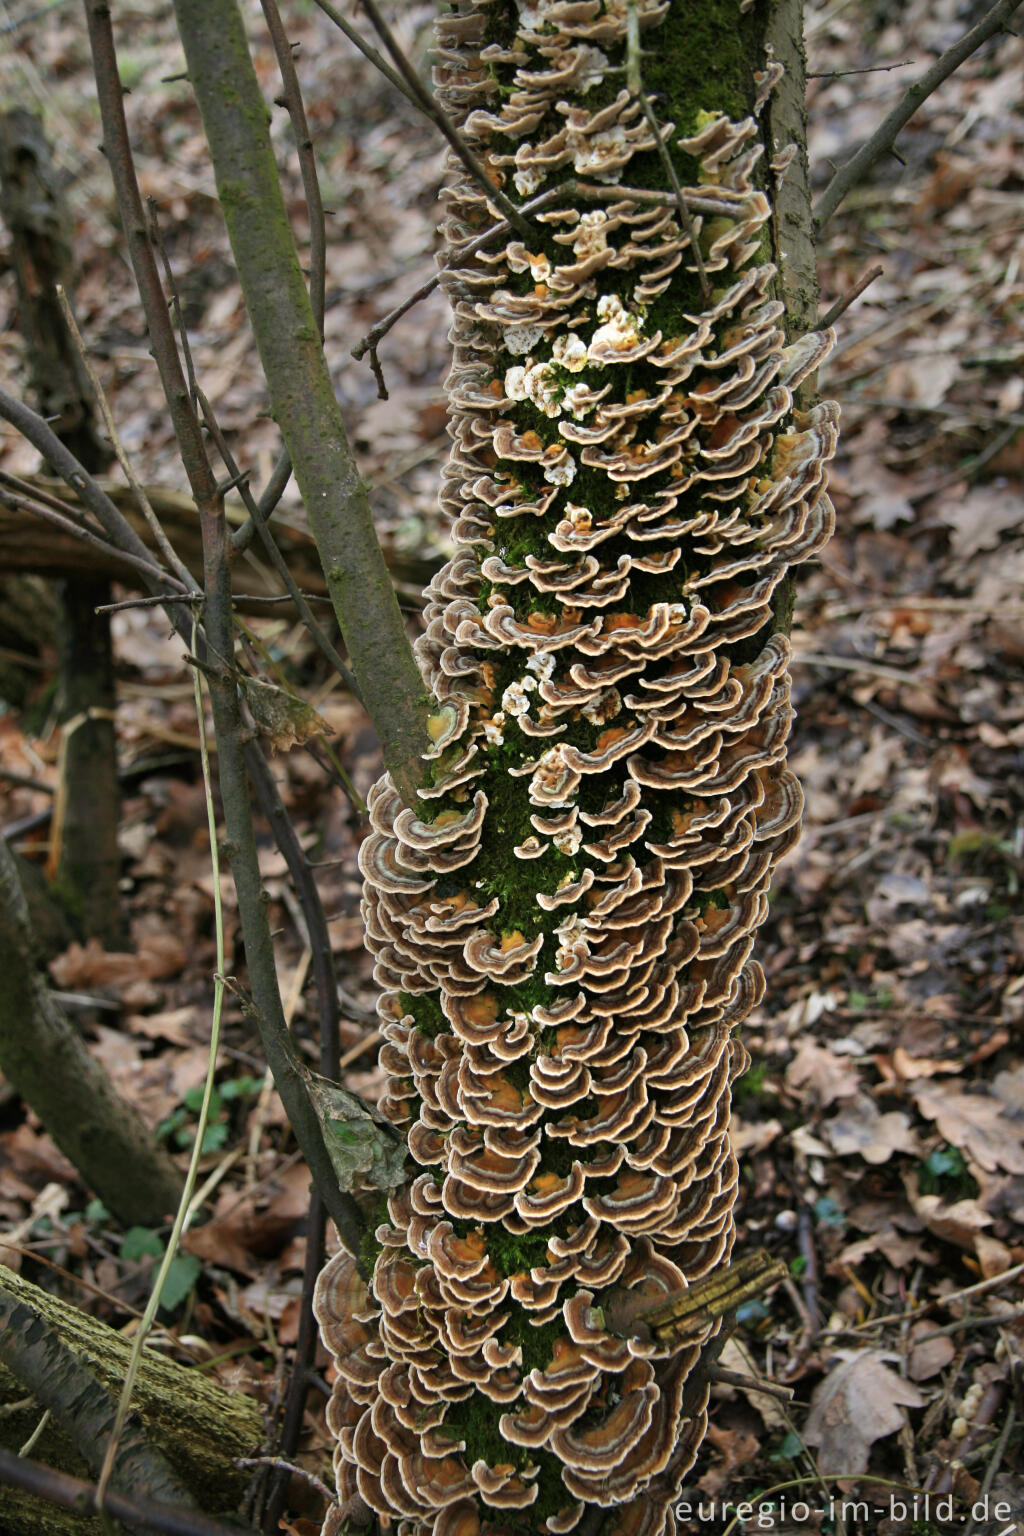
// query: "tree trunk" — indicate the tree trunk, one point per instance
point(45, 1061)
point(565, 942)
point(85, 860)
point(54, 1356)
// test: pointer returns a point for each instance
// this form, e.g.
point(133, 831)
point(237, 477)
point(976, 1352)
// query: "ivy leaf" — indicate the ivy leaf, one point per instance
point(138, 1241)
point(182, 1273)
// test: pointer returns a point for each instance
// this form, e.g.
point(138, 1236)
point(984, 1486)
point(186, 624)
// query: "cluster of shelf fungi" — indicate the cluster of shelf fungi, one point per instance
point(563, 929)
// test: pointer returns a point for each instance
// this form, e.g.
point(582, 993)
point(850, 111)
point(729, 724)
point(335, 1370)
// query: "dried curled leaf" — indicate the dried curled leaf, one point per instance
point(286, 720)
point(362, 1146)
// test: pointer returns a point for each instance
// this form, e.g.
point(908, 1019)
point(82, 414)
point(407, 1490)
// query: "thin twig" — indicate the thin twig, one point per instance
point(853, 664)
point(277, 560)
point(75, 1494)
point(156, 234)
point(142, 501)
point(727, 1378)
point(368, 51)
point(993, 1467)
point(842, 305)
point(429, 105)
point(635, 83)
point(117, 147)
point(885, 135)
point(970, 470)
point(929, 1306)
point(377, 332)
point(292, 98)
point(277, 1043)
point(868, 69)
point(185, 1207)
point(64, 464)
point(289, 1467)
point(360, 1048)
point(156, 600)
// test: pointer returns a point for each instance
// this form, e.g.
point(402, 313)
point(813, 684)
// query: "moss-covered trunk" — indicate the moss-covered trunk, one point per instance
point(565, 941)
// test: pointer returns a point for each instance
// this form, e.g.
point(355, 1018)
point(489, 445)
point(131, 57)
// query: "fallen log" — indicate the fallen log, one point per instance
point(180, 1417)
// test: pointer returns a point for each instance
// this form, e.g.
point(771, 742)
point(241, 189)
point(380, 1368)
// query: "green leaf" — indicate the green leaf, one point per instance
point(240, 1088)
point(97, 1212)
point(141, 1240)
point(192, 1098)
point(182, 1273)
point(215, 1136)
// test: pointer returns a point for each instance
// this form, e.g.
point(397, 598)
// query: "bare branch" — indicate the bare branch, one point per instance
point(63, 463)
point(142, 501)
point(377, 332)
point(433, 109)
point(275, 556)
point(79, 530)
point(842, 305)
point(884, 136)
point(368, 51)
point(117, 148)
point(634, 79)
point(75, 1494)
point(307, 160)
point(220, 23)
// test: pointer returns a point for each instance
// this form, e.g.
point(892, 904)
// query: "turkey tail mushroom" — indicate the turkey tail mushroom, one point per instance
point(564, 934)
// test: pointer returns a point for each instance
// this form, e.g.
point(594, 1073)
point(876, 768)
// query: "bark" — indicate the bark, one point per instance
point(46, 1062)
point(302, 399)
point(86, 862)
point(180, 1439)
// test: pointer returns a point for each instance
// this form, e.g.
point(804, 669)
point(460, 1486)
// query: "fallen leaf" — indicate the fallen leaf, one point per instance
point(159, 956)
point(860, 1128)
point(827, 1076)
point(749, 1136)
point(1009, 1089)
point(957, 1222)
point(910, 1067)
point(980, 517)
point(861, 1400)
point(736, 1357)
point(930, 1351)
point(974, 1124)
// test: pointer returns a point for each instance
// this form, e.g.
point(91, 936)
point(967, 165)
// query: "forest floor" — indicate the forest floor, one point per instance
point(881, 1126)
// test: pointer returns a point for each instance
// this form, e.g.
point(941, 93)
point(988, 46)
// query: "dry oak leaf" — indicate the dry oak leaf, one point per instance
point(959, 1222)
point(826, 1075)
point(159, 955)
point(860, 1128)
point(975, 1124)
point(930, 1351)
point(860, 1401)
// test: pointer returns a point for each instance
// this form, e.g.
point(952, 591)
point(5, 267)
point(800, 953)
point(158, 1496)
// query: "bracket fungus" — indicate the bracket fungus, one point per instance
point(563, 936)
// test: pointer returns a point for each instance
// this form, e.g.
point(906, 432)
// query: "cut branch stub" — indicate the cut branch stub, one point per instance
point(564, 934)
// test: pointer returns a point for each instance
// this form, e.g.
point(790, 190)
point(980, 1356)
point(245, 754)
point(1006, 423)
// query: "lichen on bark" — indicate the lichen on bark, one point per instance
point(564, 936)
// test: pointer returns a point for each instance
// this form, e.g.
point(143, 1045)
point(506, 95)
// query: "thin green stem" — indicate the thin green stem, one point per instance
point(185, 1209)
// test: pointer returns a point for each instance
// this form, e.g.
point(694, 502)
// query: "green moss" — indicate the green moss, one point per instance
point(369, 1247)
point(514, 1252)
point(425, 1008)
